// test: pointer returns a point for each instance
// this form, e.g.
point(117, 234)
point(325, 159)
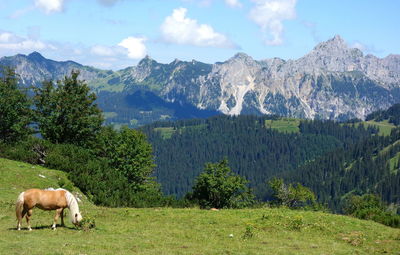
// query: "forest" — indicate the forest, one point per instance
point(334, 159)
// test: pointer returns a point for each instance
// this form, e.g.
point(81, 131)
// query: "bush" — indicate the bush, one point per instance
point(292, 195)
point(370, 207)
point(219, 187)
point(30, 150)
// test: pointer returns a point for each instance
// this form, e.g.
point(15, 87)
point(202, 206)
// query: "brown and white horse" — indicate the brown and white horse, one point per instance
point(49, 199)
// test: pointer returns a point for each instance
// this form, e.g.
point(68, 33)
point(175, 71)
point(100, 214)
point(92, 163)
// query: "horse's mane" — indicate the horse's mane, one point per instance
point(72, 204)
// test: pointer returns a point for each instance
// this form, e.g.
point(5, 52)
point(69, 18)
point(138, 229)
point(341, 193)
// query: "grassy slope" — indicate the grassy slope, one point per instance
point(384, 126)
point(286, 125)
point(182, 231)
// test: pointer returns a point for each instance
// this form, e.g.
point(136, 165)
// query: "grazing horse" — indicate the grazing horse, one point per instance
point(49, 199)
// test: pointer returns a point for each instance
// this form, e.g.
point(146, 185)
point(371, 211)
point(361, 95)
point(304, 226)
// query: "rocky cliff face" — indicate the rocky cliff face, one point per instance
point(333, 81)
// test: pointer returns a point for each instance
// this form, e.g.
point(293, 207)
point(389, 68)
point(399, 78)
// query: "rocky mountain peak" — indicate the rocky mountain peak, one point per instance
point(332, 46)
point(146, 61)
point(240, 56)
point(36, 56)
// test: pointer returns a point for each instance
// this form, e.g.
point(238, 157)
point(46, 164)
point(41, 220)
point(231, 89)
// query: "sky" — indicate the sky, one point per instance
point(114, 34)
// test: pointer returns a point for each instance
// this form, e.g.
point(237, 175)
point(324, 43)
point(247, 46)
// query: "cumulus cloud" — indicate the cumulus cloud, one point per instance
point(269, 15)
point(50, 6)
point(233, 3)
point(13, 43)
point(180, 29)
point(135, 47)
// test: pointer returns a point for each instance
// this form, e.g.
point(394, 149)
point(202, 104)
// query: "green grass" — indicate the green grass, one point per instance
point(182, 231)
point(384, 126)
point(166, 132)
point(285, 125)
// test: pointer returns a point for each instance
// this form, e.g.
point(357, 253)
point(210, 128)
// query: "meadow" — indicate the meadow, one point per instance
point(180, 231)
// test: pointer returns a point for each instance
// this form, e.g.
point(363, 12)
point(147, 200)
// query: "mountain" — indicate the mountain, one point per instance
point(34, 68)
point(333, 81)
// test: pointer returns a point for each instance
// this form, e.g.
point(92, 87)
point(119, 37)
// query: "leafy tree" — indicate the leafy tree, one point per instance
point(15, 113)
point(67, 113)
point(292, 195)
point(219, 187)
point(128, 153)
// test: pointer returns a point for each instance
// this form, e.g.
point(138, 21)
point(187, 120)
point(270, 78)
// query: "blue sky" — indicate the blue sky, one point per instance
point(113, 34)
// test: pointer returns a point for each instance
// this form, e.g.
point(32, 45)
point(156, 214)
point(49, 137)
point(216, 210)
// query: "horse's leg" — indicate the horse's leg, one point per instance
point(58, 212)
point(28, 219)
point(62, 217)
point(20, 216)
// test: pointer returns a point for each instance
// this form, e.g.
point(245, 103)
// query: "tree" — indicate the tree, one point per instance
point(67, 113)
point(292, 195)
point(219, 187)
point(129, 153)
point(15, 113)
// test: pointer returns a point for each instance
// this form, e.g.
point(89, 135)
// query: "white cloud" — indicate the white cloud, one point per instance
point(101, 50)
point(50, 6)
point(233, 3)
point(14, 43)
point(135, 47)
point(180, 29)
point(269, 15)
point(5, 37)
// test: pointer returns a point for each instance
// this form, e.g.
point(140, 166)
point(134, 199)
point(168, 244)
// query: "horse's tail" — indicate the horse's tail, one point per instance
point(19, 205)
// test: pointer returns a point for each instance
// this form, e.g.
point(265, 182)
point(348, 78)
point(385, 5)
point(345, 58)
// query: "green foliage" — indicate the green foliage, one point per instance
point(248, 233)
point(29, 150)
point(370, 207)
point(253, 149)
point(66, 113)
point(15, 113)
point(93, 174)
point(218, 187)
point(87, 223)
point(292, 195)
point(128, 153)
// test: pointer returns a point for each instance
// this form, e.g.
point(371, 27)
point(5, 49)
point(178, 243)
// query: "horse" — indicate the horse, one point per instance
point(48, 199)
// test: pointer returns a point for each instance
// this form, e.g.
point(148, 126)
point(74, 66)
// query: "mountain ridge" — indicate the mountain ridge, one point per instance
point(332, 81)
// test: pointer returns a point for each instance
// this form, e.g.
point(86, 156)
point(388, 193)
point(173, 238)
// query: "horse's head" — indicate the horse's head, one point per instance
point(77, 218)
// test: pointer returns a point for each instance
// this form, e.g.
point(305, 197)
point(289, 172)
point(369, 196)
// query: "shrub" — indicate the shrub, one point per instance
point(219, 187)
point(370, 207)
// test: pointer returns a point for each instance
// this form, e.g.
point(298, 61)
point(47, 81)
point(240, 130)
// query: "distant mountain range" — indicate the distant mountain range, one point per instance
point(333, 81)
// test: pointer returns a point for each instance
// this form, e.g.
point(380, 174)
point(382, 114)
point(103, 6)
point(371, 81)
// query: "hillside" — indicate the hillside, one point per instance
point(333, 159)
point(257, 148)
point(166, 231)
